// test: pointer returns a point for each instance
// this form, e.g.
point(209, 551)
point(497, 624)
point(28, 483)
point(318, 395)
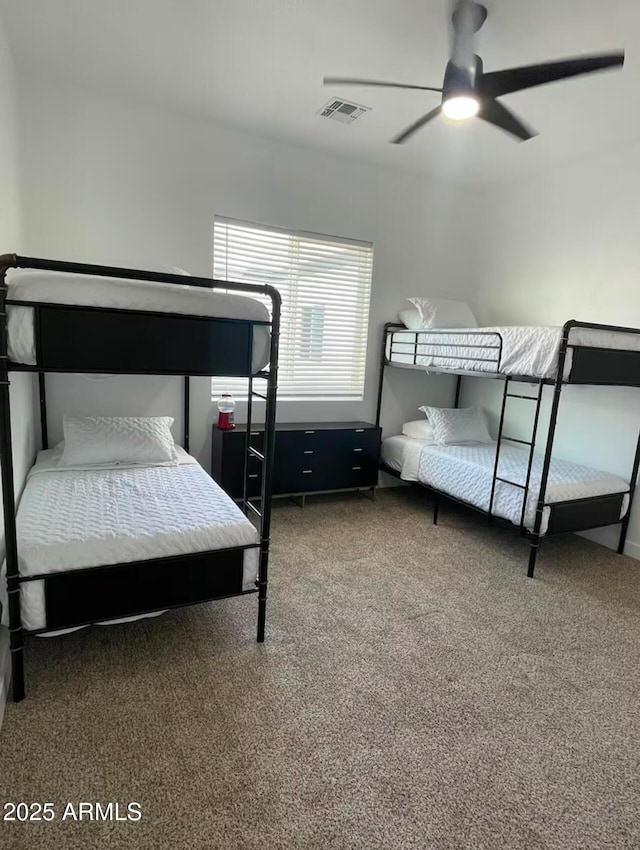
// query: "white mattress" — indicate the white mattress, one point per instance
point(528, 351)
point(88, 291)
point(466, 473)
point(69, 519)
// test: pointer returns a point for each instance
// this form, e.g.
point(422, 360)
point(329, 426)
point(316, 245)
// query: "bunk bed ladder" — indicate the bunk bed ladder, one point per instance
point(252, 451)
point(531, 443)
point(265, 457)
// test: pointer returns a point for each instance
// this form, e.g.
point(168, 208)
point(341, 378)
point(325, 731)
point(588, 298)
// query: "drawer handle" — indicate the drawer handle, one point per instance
point(253, 476)
point(308, 452)
point(307, 471)
point(356, 467)
point(359, 430)
point(255, 433)
point(357, 450)
point(309, 432)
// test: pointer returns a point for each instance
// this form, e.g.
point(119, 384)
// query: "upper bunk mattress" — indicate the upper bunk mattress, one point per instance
point(466, 473)
point(88, 517)
point(523, 351)
point(90, 291)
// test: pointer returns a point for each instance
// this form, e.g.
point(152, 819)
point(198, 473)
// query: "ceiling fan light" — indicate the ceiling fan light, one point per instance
point(460, 107)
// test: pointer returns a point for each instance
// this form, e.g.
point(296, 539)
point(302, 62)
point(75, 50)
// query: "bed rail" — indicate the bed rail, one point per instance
point(16, 261)
point(425, 340)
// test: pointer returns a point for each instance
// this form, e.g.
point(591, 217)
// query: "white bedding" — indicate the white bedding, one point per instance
point(466, 473)
point(73, 518)
point(402, 454)
point(527, 351)
point(89, 291)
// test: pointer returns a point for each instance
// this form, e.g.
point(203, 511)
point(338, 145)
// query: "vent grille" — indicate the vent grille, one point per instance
point(343, 111)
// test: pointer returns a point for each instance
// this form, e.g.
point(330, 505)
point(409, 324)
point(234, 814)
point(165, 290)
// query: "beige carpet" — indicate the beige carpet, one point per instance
point(416, 691)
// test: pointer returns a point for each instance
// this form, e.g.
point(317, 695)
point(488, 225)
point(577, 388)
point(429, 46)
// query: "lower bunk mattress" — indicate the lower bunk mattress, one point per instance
point(465, 472)
point(70, 519)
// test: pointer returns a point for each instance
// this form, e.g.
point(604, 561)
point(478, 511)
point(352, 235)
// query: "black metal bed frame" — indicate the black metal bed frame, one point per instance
point(590, 365)
point(70, 338)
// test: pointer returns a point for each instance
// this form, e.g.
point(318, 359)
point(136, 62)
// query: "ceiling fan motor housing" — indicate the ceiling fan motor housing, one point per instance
point(461, 81)
point(464, 67)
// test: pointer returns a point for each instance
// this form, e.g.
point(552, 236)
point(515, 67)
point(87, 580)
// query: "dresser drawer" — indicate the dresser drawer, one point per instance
point(326, 472)
point(299, 480)
point(359, 474)
point(294, 443)
point(365, 439)
point(311, 442)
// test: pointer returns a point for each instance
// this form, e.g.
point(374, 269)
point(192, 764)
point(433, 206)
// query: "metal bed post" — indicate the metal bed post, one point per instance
point(16, 638)
point(44, 431)
point(456, 401)
point(436, 497)
point(269, 451)
point(632, 488)
point(551, 433)
point(383, 363)
point(187, 406)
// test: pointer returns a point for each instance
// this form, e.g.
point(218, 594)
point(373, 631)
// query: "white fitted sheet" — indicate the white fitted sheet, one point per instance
point(89, 291)
point(402, 454)
point(69, 519)
point(528, 351)
point(466, 472)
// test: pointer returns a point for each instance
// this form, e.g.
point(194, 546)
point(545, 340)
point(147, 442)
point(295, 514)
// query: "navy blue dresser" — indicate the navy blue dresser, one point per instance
point(310, 457)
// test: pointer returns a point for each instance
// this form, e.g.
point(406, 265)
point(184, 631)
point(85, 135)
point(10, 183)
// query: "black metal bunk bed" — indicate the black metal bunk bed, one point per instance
point(81, 339)
point(590, 365)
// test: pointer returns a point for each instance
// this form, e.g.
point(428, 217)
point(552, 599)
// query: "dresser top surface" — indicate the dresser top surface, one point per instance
point(308, 426)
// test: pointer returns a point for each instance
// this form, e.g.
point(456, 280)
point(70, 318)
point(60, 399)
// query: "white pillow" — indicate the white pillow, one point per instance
point(90, 440)
point(419, 429)
point(439, 313)
point(453, 426)
point(411, 319)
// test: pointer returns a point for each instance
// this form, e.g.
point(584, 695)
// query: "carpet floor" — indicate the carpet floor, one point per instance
point(416, 690)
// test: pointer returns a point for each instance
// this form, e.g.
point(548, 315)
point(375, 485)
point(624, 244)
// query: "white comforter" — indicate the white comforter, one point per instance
point(69, 519)
point(528, 351)
point(466, 472)
point(89, 291)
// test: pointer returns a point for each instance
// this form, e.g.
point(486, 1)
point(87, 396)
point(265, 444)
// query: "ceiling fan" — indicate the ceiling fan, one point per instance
point(467, 91)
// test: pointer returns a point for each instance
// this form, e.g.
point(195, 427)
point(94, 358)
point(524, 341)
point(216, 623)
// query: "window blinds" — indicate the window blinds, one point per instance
point(325, 284)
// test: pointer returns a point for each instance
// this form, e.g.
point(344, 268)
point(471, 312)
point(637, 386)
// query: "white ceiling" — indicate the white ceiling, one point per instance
point(259, 64)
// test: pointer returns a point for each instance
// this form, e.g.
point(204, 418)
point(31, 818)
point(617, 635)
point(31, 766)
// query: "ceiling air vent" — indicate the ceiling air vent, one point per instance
point(342, 111)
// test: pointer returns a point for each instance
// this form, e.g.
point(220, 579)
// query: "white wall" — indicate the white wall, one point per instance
point(23, 420)
point(566, 246)
point(108, 181)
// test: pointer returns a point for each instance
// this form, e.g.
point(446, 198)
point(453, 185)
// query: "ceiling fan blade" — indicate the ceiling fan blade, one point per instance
point(356, 81)
point(413, 128)
point(498, 115)
point(497, 83)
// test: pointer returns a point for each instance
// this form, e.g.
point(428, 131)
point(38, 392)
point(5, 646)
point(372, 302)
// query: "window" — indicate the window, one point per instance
point(325, 283)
